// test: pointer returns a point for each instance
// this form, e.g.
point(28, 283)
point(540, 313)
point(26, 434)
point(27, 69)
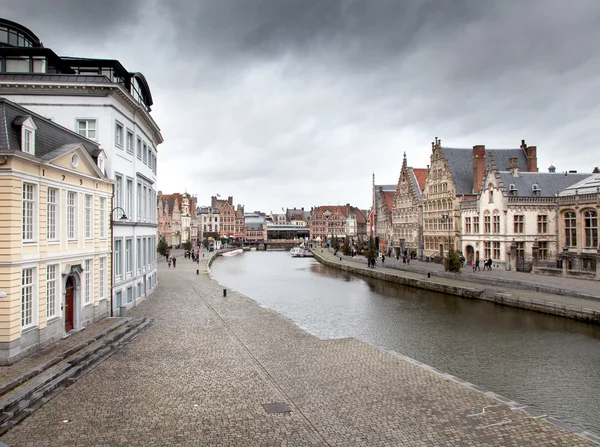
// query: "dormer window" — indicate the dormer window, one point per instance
point(28, 128)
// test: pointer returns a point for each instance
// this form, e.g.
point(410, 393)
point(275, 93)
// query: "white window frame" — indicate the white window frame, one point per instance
point(117, 259)
point(29, 297)
point(129, 141)
point(145, 153)
point(28, 129)
point(29, 205)
point(129, 294)
point(139, 255)
point(144, 244)
point(88, 284)
point(119, 134)
point(118, 191)
point(102, 218)
point(102, 277)
point(139, 201)
point(88, 203)
point(128, 257)
point(87, 130)
point(128, 196)
point(71, 215)
point(52, 214)
point(139, 148)
point(52, 291)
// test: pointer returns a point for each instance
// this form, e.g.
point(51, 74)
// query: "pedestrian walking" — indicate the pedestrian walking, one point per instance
point(382, 259)
point(477, 265)
point(174, 262)
point(169, 261)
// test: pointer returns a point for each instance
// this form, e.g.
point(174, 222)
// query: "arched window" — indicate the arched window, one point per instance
point(590, 226)
point(570, 229)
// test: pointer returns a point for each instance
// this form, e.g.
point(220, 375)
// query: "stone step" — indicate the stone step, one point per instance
point(19, 403)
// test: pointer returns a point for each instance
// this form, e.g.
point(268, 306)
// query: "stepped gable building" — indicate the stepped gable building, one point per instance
point(55, 261)
point(513, 216)
point(578, 208)
point(407, 210)
point(455, 175)
point(177, 221)
point(240, 224)
point(103, 101)
point(381, 214)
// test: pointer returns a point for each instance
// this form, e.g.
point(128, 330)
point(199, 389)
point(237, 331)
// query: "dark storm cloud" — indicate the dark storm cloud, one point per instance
point(90, 21)
point(250, 93)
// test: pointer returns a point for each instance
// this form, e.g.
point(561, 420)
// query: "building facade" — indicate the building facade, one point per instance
point(55, 260)
point(104, 102)
point(455, 175)
point(381, 215)
point(513, 215)
point(578, 207)
point(407, 211)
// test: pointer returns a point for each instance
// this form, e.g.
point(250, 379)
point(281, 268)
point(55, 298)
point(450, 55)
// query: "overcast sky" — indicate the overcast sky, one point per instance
point(291, 103)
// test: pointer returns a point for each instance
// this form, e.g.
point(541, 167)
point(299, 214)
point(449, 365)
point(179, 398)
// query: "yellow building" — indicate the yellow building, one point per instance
point(55, 239)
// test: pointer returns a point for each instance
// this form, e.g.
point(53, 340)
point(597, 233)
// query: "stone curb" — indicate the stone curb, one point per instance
point(583, 314)
point(490, 280)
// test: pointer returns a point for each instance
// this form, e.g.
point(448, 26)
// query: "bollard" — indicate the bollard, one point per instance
point(202, 254)
point(224, 293)
point(198, 261)
point(340, 258)
point(429, 275)
point(197, 271)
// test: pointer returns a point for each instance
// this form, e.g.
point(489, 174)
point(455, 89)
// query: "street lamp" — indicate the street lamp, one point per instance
point(112, 250)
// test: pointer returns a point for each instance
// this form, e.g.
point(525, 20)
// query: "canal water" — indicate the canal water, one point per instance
point(550, 363)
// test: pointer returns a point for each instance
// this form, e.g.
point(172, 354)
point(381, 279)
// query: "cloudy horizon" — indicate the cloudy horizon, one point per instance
point(296, 103)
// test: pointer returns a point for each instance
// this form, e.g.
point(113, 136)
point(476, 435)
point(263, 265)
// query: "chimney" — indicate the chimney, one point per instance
point(513, 166)
point(478, 167)
point(531, 152)
point(551, 168)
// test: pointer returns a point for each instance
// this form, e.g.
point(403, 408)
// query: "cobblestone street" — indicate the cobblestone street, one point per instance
point(202, 374)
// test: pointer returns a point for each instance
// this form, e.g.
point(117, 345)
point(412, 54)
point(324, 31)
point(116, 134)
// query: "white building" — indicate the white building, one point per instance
point(104, 102)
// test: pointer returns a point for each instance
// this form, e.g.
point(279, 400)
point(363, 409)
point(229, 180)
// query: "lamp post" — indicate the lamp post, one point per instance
point(112, 250)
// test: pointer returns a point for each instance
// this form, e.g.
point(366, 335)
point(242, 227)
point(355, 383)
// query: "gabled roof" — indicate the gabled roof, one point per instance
point(333, 209)
point(388, 197)
point(460, 163)
point(360, 215)
point(420, 176)
point(48, 136)
point(588, 185)
point(549, 183)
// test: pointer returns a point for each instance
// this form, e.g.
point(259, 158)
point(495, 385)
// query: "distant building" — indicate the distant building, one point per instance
point(55, 261)
point(381, 214)
point(256, 227)
point(208, 222)
point(177, 220)
point(298, 217)
point(342, 222)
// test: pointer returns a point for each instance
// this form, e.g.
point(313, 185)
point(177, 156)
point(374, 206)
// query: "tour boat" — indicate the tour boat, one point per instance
point(234, 252)
point(297, 252)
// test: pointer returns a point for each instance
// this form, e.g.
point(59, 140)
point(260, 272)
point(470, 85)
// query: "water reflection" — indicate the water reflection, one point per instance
point(549, 362)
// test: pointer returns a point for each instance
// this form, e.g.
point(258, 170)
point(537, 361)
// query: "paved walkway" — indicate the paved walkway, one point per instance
point(495, 281)
point(205, 373)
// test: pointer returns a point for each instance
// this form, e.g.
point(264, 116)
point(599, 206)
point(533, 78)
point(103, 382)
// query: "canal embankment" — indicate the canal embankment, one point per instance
point(505, 291)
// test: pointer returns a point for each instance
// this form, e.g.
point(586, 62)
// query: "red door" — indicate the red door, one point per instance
point(69, 290)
